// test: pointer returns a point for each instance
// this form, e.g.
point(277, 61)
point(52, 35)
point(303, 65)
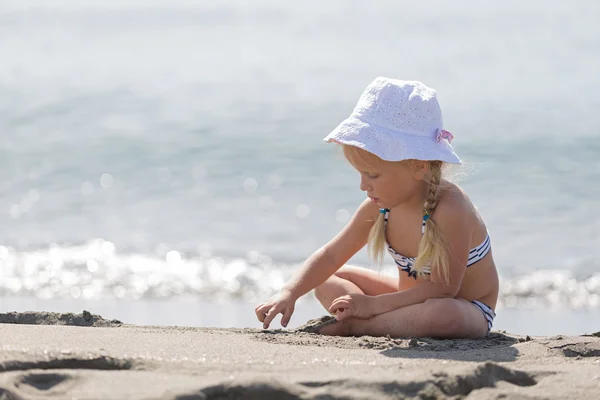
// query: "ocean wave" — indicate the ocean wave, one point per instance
point(97, 271)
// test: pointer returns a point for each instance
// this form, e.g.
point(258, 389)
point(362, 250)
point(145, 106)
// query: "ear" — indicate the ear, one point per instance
point(420, 169)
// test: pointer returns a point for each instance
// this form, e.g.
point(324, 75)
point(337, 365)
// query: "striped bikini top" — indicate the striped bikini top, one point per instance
point(406, 263)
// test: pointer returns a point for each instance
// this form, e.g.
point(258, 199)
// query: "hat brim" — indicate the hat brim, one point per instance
point(391, 145)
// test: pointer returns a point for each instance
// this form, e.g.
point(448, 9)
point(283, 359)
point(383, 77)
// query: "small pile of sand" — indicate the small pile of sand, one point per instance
point(50, 318)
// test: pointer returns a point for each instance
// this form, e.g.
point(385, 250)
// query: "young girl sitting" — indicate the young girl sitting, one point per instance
point(448, 284)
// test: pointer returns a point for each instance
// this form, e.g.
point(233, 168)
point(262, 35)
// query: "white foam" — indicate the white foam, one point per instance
point(97, 270)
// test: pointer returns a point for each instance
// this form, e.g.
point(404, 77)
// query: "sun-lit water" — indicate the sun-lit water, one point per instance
point(156, 150)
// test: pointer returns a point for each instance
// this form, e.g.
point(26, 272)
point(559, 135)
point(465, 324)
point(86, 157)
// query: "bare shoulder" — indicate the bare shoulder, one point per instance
point(455, 206)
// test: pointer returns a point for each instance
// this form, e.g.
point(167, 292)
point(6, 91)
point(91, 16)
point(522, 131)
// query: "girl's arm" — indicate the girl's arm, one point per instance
point(321, 265)
point(324, 262)
point(451, 218)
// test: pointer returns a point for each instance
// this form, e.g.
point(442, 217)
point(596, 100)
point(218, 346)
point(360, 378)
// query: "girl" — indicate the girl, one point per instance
point(448, 283)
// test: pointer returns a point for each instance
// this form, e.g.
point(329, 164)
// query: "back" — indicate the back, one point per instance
point(404, 231)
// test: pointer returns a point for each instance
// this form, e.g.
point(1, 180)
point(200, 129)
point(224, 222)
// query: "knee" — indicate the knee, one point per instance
point(326, 286)
point(323, 288)
point(345, 272)
point(319, 290)
point(444, 316)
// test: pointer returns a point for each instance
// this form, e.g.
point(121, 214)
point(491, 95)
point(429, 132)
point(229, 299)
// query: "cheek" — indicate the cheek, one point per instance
point(395, 190)
point(387, 189)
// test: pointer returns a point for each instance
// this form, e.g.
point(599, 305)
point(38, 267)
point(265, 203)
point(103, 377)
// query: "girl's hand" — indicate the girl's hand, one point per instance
point(353, 305)
point(283, 302)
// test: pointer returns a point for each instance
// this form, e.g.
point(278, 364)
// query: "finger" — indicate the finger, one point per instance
point(258, 313)
point(261, 311)
point(339, 311)
point(338, 304)
point(334, 305)
point(287, 314)
point(342, 315)
point(269, 317)
point(333, 308)
point(340, 298)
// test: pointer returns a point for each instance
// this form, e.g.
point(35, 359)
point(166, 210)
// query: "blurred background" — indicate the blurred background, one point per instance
point(161, 162)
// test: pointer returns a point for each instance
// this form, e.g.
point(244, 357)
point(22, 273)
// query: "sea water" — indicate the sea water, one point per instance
point(160, 160)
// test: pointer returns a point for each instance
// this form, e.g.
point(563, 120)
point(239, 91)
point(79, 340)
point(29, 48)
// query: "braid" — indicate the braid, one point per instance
point(434, 184)
point(433, 248)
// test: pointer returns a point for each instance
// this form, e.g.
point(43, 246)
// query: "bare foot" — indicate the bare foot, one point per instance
point(315, 325)
point(327, 325)
point(336, 328)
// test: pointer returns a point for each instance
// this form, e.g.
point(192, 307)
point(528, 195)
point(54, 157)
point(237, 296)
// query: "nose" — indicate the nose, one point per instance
point(364, 186)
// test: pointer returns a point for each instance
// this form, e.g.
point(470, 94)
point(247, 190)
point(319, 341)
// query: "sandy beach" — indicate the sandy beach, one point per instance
point(83, 356)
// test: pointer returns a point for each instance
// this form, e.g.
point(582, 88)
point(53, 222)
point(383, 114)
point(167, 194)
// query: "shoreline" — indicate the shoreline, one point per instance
point(58, 355)
point(235, 313)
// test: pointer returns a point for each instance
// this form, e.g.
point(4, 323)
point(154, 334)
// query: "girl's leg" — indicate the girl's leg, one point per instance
point(350, 279)
point(441, 318)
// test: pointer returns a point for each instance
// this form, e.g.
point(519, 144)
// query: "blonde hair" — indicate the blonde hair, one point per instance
point(433, 248)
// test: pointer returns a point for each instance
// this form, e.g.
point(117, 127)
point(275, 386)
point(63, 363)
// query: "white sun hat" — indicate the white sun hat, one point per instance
point(397, 120)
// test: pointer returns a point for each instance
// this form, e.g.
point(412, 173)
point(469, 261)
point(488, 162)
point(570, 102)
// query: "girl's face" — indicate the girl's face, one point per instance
point(387, 183)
